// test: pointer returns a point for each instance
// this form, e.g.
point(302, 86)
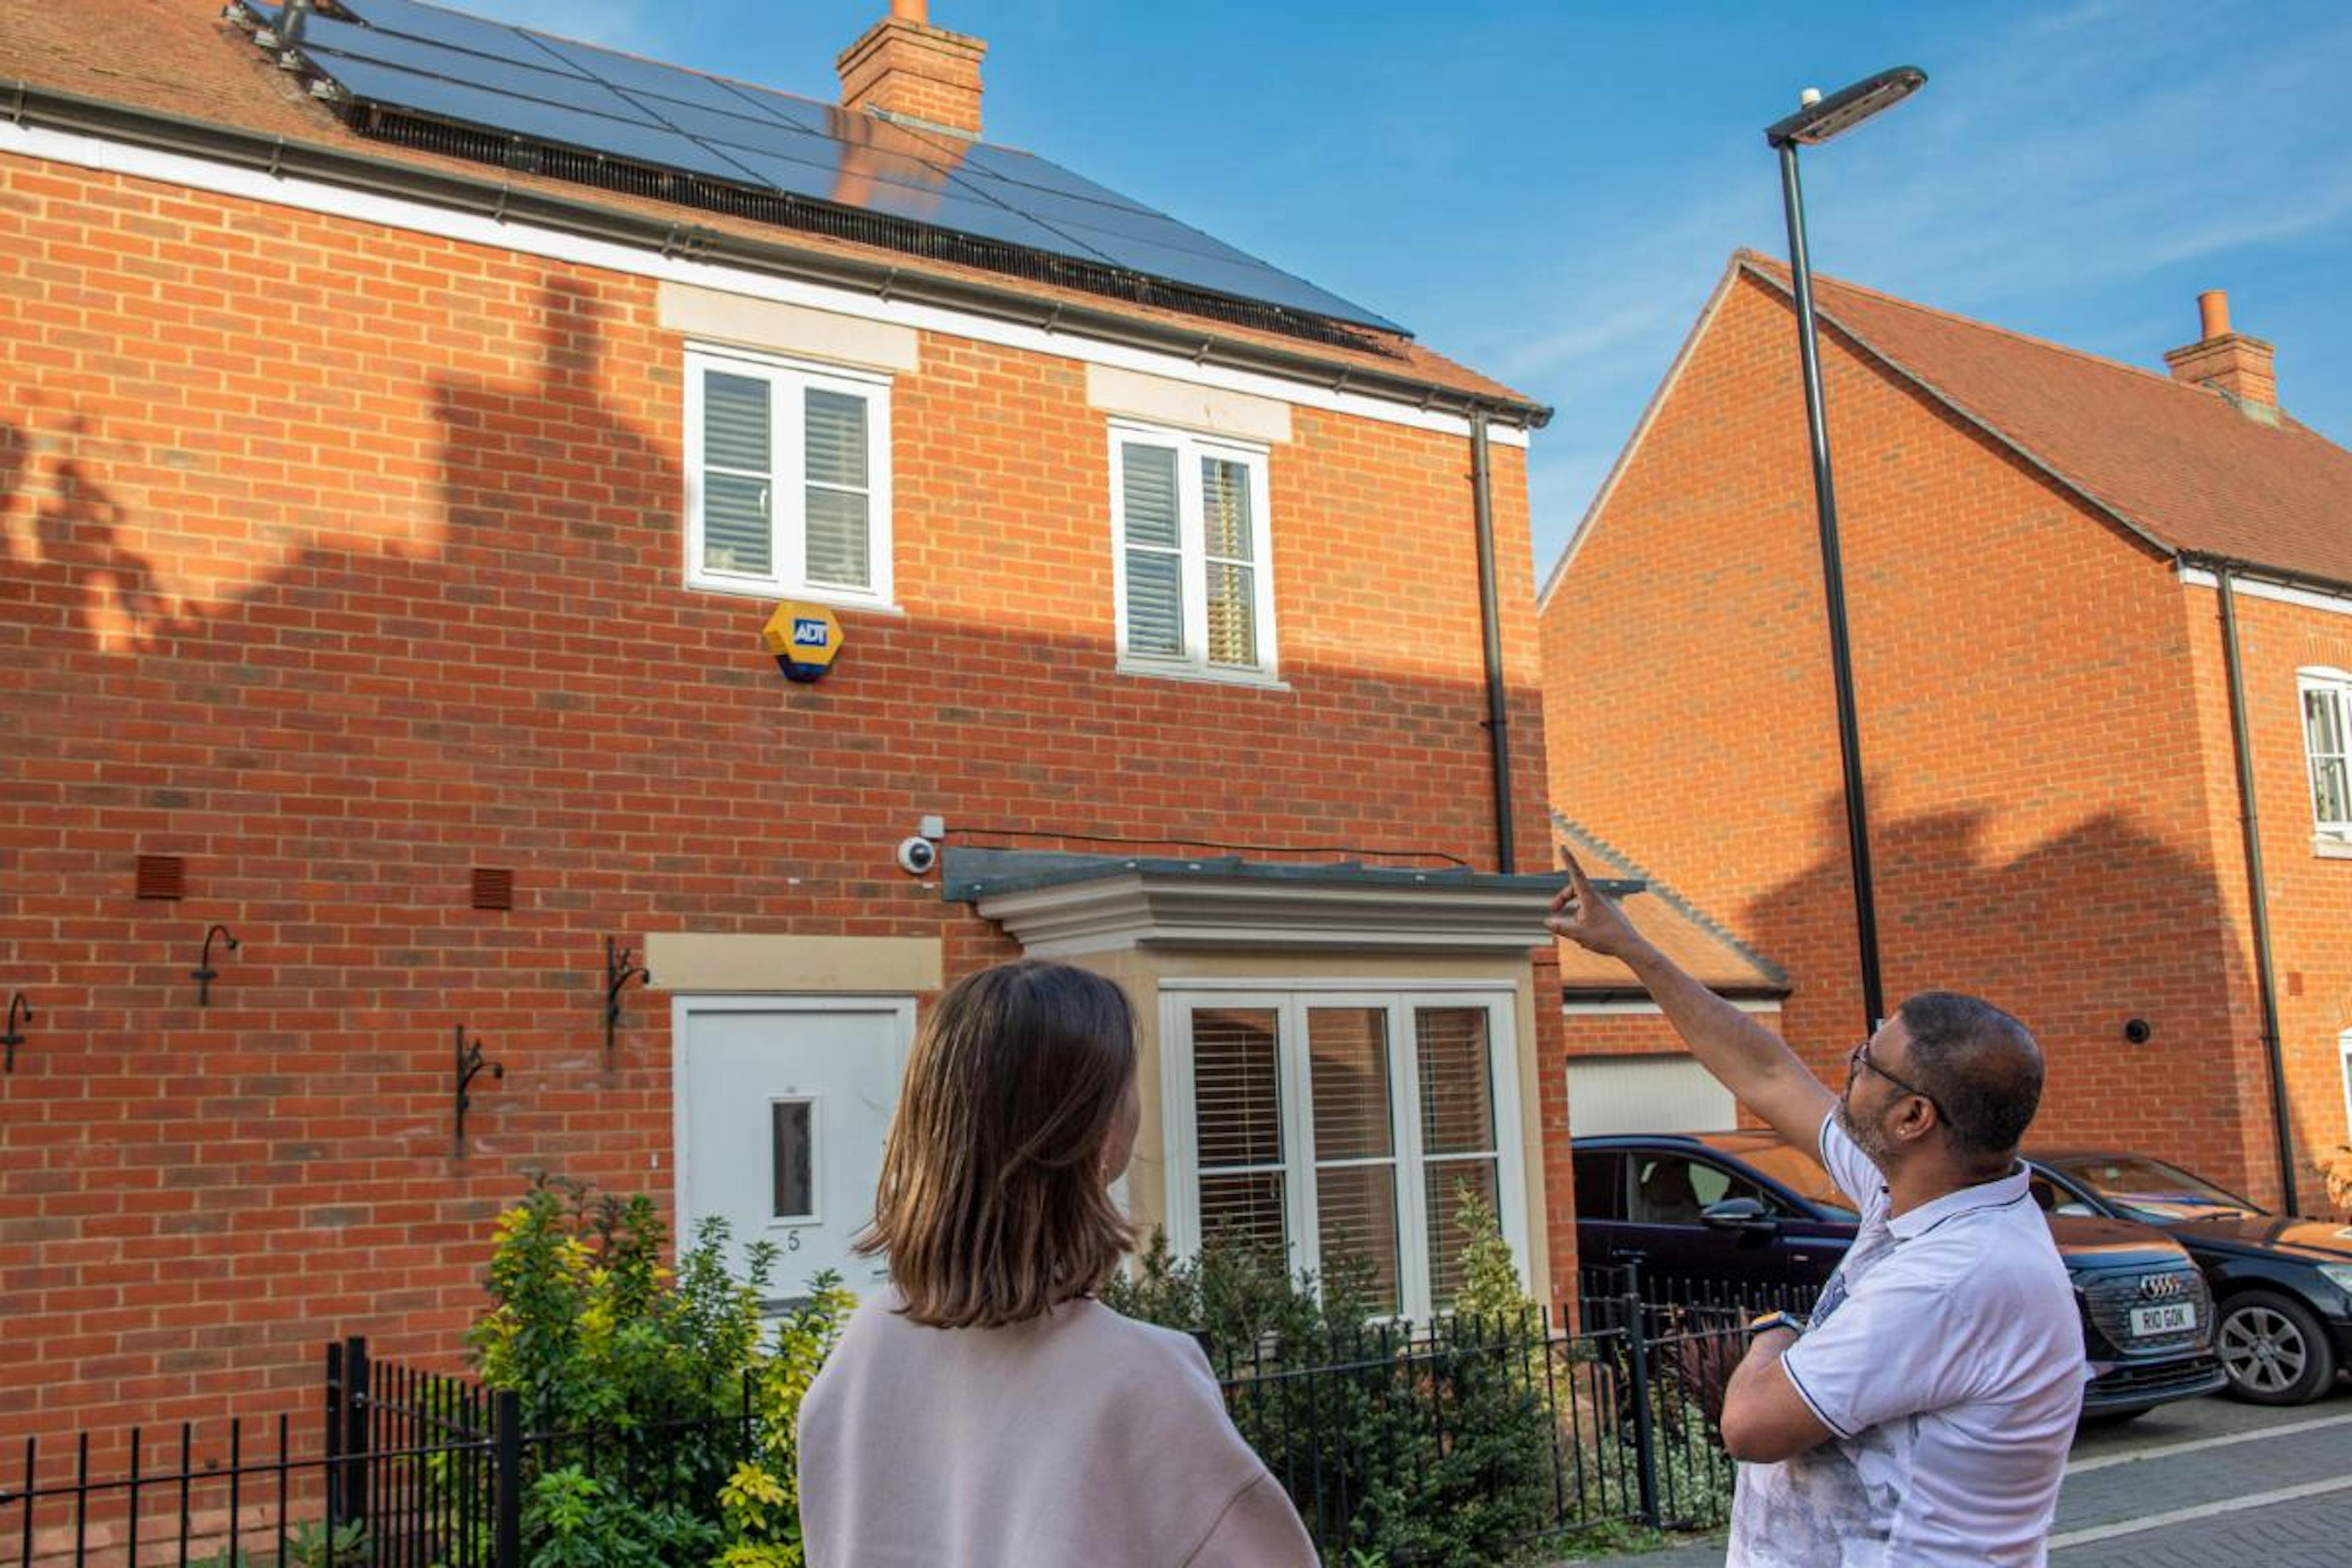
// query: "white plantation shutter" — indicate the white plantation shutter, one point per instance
point(2323, 744)
point(1227, 538)
point(738, 475)
point(1238, 1117)
point(1355, 1147)
point(1346, 1126)
point(1457, 1131)
point(789, 477)
point(836, 541)
point(1154, 545)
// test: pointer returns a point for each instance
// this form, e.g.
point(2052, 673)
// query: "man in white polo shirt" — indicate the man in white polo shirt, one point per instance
point(1922, 1414)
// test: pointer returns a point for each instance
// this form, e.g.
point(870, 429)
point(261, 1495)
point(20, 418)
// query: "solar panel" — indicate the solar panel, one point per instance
point(516, 83)
point(492, 75)
point(451, 29)
point(629, 72)
point(532, 120)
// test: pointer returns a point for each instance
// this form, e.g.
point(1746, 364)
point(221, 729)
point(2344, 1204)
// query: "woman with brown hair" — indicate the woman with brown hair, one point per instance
point(985, 1411)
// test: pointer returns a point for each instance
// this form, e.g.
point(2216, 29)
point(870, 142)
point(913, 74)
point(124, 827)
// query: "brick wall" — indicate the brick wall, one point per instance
point(340, 561)
point(2309, 896)
point(2042, 792)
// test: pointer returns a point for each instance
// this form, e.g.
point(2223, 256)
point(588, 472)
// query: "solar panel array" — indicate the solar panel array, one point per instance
point(423, 61)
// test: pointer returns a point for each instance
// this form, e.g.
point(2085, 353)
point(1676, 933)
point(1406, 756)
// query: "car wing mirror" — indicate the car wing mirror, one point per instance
point(1738, 1214)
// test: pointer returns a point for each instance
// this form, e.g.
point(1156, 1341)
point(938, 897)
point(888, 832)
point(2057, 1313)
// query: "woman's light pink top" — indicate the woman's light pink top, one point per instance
point(1081, 1437)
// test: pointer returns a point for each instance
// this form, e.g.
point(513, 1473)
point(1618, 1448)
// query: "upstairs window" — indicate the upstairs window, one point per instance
point(787, 479)
point(2327, 726)
point(1195, 596)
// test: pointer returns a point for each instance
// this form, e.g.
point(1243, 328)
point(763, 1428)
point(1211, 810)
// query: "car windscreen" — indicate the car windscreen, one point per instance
point(1803, 1175)
point(2152, 1190)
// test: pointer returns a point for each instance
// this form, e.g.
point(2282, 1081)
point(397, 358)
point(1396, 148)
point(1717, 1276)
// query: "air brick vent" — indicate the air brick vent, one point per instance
point(493, 887)
point(163, 876)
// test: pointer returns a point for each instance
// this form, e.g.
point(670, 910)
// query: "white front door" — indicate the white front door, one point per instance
point(783, 1106)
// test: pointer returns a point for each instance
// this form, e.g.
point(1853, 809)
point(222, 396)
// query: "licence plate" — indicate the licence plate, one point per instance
point(2177, 1318)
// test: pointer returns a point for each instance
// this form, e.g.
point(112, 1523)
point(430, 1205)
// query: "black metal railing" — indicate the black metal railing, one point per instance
point(1529, 1427)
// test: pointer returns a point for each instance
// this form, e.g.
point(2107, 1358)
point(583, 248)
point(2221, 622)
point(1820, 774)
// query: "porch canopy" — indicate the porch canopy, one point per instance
point(1058, 904)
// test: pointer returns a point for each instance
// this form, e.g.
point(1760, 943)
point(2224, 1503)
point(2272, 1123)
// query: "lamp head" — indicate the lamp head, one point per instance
point(1818, 119)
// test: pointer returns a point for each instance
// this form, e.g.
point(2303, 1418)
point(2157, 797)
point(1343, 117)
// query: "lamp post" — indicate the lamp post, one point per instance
point(1816, 120)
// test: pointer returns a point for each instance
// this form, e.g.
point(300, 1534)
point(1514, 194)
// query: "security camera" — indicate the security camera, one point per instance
point(918, 856)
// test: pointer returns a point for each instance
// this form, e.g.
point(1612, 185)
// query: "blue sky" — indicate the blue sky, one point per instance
point(1547, 192)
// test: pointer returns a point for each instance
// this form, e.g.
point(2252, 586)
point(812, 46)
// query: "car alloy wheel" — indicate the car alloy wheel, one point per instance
point(2272, 1348)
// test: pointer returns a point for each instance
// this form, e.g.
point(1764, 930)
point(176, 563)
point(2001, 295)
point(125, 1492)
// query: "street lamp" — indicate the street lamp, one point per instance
point(1816, 120)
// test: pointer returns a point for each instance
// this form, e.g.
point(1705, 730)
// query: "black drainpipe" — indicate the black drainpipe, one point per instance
point(2246, 815)
point(1498, 721)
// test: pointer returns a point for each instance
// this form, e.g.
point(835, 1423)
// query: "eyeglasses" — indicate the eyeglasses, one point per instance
point(1860, 1058)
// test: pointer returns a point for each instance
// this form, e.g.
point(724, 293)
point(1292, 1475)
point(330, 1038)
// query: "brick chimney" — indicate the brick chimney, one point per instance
point(905, 69)
point(2235, 366)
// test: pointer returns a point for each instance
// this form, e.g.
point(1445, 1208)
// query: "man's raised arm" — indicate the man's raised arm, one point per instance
point(1762, 1073)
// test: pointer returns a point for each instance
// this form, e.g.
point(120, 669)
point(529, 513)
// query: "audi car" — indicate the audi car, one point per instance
point(2281, 1286)
point(1747, 1213)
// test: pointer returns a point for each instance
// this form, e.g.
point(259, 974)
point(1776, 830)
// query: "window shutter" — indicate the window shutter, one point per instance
point(1237, 1121)
point(1355, 1202)
point(1233, 582)
point(1155, 563)
point(837, 536)
point(2323, 735)
point(1457, 1131)
point(738, 473)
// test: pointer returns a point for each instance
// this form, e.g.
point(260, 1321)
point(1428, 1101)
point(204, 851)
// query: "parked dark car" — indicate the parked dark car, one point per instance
point(2282, 1286)
point(1707, 1211)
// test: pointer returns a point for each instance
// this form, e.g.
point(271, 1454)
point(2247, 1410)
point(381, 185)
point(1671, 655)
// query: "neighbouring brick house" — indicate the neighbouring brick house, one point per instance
point(2037, 545)
point(394, 498)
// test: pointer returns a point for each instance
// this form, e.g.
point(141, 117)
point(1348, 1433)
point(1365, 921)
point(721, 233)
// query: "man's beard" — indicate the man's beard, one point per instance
point(1868, 1139)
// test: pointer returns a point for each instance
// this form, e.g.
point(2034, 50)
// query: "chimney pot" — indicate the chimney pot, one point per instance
point(912, 11)
point(2213, 313)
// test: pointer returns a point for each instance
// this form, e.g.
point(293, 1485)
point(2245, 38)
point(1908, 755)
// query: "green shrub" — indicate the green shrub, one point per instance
point(1416, 1450)
point(664, 1424)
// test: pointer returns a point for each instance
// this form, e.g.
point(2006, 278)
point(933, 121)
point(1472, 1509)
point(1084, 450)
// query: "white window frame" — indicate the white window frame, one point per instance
point(2336, 685)
point(789, 380)
point(1291, 1001)
point(2344, 1052)
point(1191, 447)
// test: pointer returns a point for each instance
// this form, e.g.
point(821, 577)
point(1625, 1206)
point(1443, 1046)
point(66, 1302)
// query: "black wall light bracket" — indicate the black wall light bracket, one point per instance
point(204, 974)
point(620, 968)
point(20, 1013)
point(470, 1062)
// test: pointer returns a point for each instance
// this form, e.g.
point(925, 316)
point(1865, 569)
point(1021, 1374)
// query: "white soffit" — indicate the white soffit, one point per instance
point(1143, 909)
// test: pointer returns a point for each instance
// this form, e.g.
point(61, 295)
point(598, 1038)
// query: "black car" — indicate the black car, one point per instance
point(1708, 1210)
point(2282, 1286)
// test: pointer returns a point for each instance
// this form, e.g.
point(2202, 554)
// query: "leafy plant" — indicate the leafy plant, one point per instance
point(662, 1426)
point(308, 1546)
point(760, 1502)
point(1428, 1448)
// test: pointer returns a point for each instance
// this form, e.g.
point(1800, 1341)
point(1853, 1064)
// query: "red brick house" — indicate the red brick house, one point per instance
point(2058, 568)
point(395, 482)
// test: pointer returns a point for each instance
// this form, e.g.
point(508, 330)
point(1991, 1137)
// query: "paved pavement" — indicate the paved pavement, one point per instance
point(2190, 1485)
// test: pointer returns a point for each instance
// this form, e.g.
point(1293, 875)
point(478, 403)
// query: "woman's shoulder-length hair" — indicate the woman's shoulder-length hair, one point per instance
point(993, 1205)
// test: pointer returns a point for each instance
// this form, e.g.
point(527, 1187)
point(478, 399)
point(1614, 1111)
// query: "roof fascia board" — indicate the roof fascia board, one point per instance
point(1928, 389)
point(2270, 582)
point(1138, 910)
point(1641, 429)
point(42, 123)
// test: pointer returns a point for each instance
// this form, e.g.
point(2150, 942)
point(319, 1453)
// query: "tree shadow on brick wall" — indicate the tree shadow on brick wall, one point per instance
point(2080, 932)
point(77, 540)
